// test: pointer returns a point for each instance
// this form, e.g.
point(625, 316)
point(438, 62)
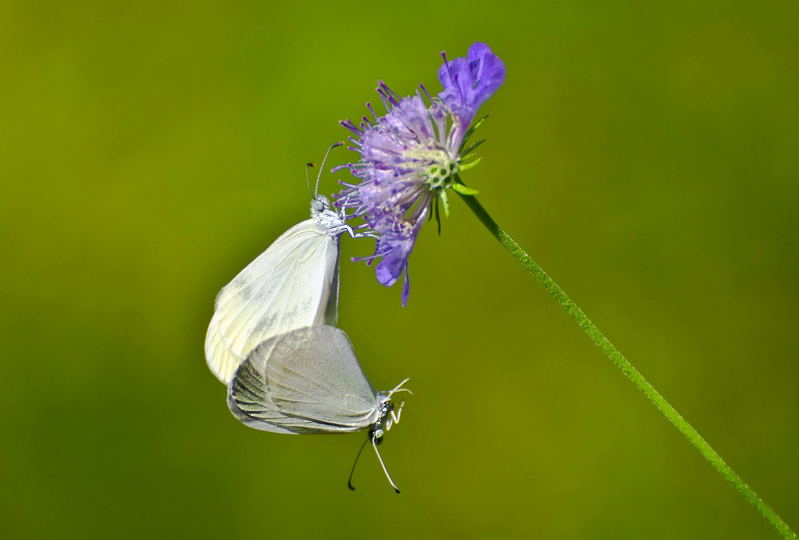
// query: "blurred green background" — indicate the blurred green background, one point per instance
point(644, 153)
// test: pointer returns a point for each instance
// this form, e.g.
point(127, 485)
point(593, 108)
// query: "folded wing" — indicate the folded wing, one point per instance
point(305, 381)
point(293, 284)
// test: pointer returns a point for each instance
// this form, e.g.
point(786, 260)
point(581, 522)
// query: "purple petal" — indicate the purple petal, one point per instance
point(469, 81)
point(397, 238)
point(396, 247)
point(406, 287)
point(389, 269)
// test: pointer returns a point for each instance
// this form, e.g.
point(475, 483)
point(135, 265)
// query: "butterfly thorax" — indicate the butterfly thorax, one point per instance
point(378, 429)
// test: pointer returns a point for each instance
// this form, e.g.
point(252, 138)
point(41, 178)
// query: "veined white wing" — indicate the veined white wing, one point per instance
point(293, 284)
point(305, 381)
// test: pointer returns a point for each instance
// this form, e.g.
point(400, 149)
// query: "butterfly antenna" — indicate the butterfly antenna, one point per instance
point(399, 388)
point(322, 168)
point(390, 481)
point(308, 180)
point(349, 480)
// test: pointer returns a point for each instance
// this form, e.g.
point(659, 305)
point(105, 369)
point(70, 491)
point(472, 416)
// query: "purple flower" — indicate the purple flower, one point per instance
point(412, 154)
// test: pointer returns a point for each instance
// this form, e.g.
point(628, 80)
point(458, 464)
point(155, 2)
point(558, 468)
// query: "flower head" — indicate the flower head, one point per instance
point(411, 155)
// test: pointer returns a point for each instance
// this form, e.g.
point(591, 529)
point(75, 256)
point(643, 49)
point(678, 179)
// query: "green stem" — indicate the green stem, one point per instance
point(629, 371)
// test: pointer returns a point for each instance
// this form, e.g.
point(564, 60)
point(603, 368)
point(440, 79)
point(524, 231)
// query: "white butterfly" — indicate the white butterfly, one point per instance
point(293, 284)
point(309, 381)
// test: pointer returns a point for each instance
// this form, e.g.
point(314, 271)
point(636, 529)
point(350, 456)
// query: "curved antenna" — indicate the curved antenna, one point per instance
point(390, 481)
point(357, 457)
point(322, 168)
point(373, 440)
point(399, 388)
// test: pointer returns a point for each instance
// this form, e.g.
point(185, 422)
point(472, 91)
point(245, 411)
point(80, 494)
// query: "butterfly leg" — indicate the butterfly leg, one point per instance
point(394, 416)
point(353, 234)
point(344, 228)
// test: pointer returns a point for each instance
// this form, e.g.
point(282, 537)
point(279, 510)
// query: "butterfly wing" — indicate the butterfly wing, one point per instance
point(249, 403)
point(293, 284)
point(305, 381)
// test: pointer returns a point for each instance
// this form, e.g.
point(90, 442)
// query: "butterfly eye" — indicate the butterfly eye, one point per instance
point(317, 205)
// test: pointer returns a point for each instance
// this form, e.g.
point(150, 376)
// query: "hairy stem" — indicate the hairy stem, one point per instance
point(640, 382)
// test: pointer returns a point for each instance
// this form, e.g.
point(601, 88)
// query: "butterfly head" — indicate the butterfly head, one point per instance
point(319, 205)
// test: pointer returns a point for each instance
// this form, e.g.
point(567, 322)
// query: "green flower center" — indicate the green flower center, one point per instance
point(441, 175)
point(441, 169)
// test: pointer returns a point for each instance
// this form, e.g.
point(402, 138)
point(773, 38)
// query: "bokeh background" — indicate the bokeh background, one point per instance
point(644, 153)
